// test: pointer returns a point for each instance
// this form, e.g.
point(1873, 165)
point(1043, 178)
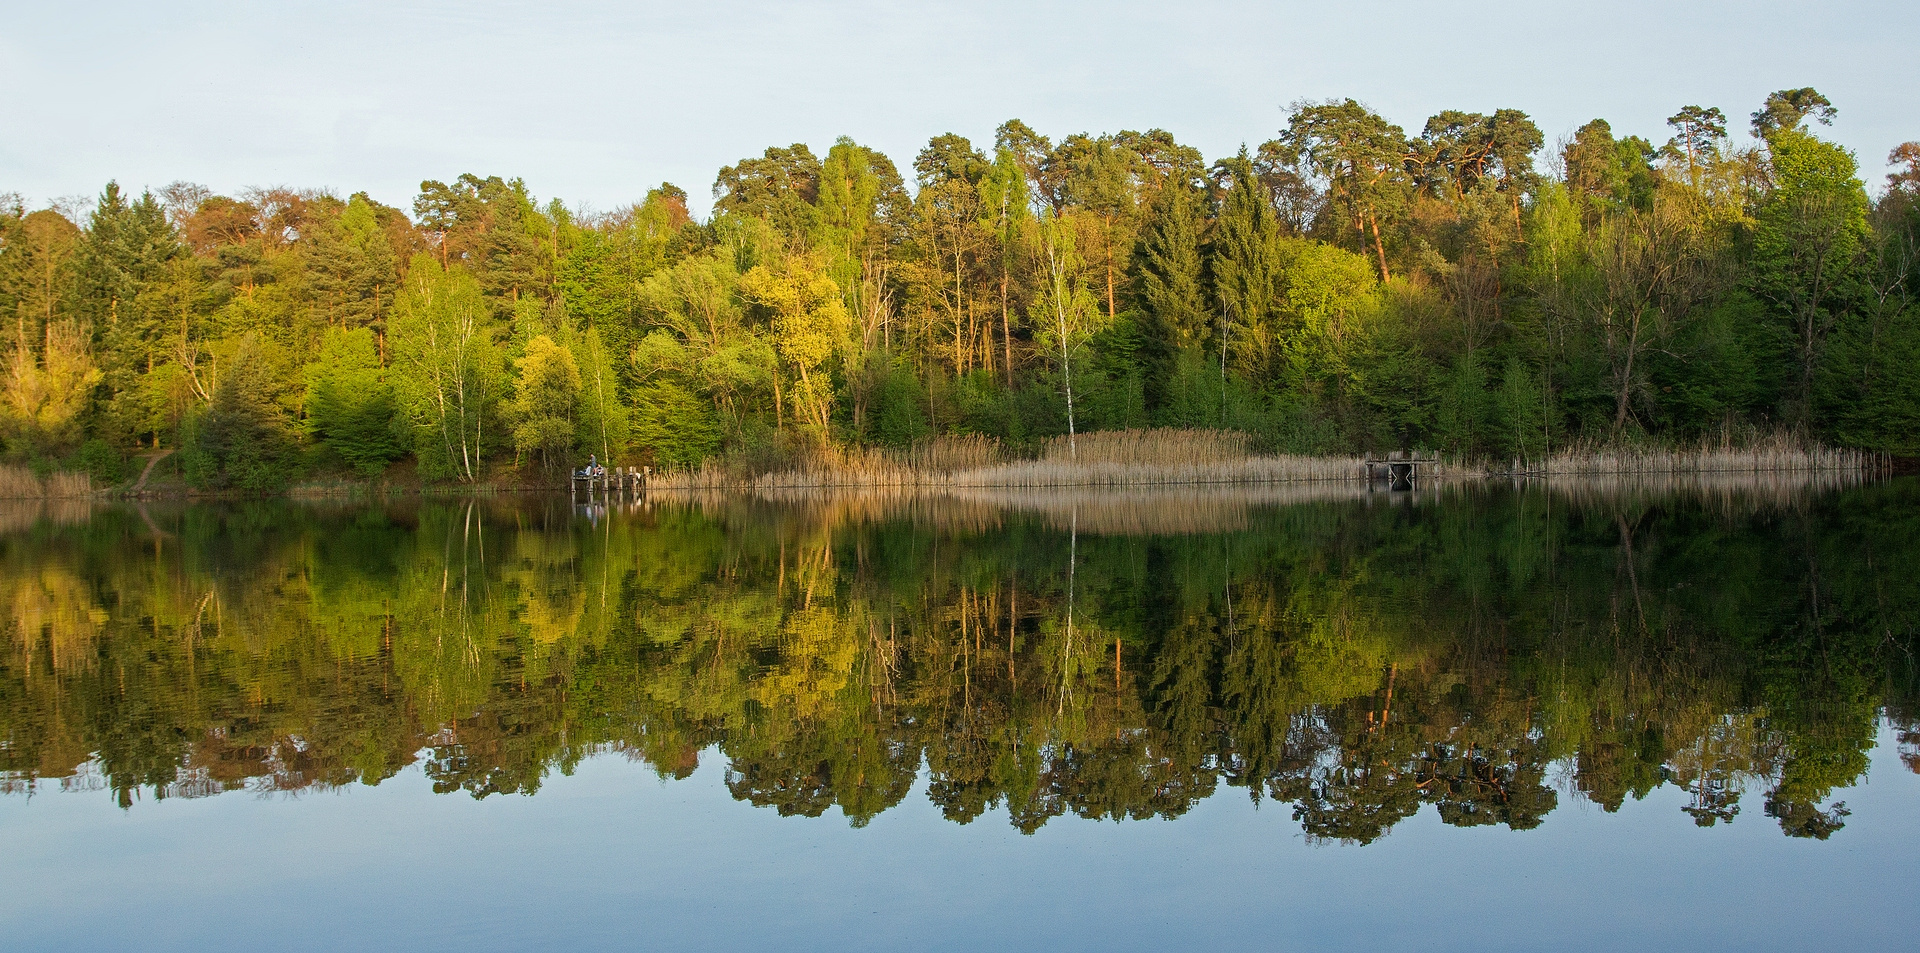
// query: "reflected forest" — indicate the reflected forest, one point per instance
point(1495, 652)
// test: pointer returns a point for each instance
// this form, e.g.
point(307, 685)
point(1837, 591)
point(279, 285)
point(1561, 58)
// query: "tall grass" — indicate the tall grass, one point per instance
point(1246, 470)
point(1161, 446)
point(1777, 452)
point(1170, 457)
point(951, 453)
point(1108, 458)
point(20, 483)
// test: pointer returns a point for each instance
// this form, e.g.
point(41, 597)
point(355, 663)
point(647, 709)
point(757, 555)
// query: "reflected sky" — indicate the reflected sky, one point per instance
point(612, 858)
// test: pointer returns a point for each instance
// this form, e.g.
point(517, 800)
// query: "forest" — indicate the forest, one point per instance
point(1344, 286)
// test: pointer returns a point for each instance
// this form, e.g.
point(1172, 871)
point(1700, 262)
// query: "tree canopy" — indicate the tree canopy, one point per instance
point(1699, 288)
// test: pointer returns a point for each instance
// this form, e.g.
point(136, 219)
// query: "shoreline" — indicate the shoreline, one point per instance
point(1116, 460)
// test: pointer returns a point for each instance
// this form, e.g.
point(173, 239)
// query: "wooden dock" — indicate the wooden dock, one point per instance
point(613, 481)
point(1399, 472)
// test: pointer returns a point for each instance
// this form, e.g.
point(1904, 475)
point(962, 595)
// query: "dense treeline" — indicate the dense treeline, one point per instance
point(1345, 285)
point(1491, 655)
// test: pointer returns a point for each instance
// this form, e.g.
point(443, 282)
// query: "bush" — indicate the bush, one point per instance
point(897, 413)
point(679, 427)
point(100, 460)
point(350, 404)
point(244, 440)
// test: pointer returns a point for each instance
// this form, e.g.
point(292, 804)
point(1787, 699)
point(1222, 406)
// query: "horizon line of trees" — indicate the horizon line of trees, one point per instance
point(1346, 285)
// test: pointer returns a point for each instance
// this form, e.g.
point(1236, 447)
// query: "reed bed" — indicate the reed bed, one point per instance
point(1170, 457)
point(1109, 458)
point(1243, 471)
point(1159, 447)
point(1770, 453)
point(948, 454)
point(20, 483)
point(1196, 509)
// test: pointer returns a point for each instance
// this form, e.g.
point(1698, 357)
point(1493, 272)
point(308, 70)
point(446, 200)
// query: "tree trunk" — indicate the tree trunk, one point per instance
point(1379, 247)
point(1006, 327)
point(1106, 222)
point(1624, 393)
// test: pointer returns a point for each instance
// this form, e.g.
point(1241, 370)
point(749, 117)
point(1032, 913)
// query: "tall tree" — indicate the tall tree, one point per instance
point(947, 238)
point(1787, 110)
point(1071, 315)
point(1362, 157)
point(1172, 268)
point(1005, 214)
point(1808, 237)
point(1513, 141)
point(781, 186)
point(810, 326)
point(1248, 264)
point(355, 271)
point(1697, 133)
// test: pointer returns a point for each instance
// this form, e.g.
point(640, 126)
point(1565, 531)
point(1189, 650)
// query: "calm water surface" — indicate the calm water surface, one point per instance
point(1683, 716)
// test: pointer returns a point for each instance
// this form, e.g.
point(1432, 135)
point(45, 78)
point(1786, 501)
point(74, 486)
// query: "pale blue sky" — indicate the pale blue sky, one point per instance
point(594, 102)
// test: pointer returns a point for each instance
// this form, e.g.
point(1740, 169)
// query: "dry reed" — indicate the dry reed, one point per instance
point(1781, 452)
point(1170, 457)
point(1160, 446)
point(947, 454)
point(1108, 458)
point(20, 483)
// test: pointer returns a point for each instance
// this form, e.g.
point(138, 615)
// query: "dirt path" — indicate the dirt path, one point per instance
point(152, 459)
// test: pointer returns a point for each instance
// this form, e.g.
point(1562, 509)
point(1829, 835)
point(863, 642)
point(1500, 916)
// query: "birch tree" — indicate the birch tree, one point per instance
point(1069, 314)
point(448, 371)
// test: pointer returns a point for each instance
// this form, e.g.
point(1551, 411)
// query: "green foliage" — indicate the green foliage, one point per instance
point(1360, 287)
point(1609, 174)
point(897, 411)
point(246, 439)
point(674, 425)
point(605, 422)
point(448, 374)
point(1807, 244)
point(1248, 264)
point(101, 461)
point(45, 389)
point(546, 397)
point(1524, 425)
point(1460, 421)
point(349, 404)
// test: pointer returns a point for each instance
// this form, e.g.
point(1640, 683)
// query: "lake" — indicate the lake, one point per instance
point(1671, 714)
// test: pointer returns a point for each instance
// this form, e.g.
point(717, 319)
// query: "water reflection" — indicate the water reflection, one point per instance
point(1493, 652)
